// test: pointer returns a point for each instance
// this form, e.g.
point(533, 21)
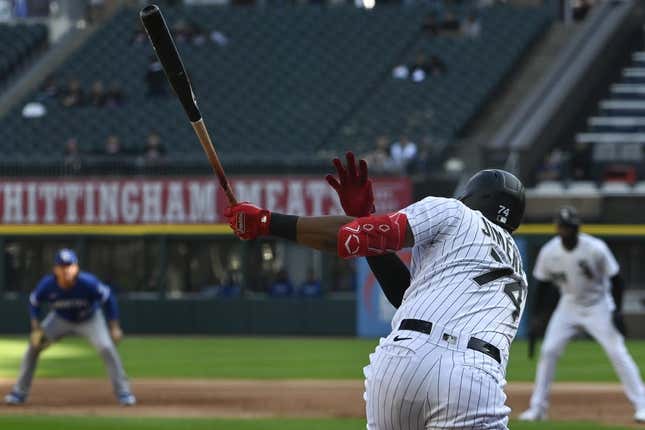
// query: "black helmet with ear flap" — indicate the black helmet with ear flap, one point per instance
point(498, 195)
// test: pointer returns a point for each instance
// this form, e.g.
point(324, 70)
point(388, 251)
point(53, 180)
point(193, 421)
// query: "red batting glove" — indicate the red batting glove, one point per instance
point(248, 221)
point(353, 187)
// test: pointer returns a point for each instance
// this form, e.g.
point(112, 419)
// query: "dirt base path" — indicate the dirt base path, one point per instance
point(303, 398)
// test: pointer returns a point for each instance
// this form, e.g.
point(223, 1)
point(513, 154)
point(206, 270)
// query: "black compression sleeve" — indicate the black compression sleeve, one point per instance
point(393, 276)
point(283, 226)
point(541, 289)
point(617, 288)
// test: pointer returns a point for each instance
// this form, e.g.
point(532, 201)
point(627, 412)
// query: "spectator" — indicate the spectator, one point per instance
point(471, 27)
point(450, 22)
point(34, 110)
point(155, 79)
point(551, 169)
point(96, 10)
point(311, 287)
point(403, 152)
point(49, 89)
point(97, 94)
point(437, 67)
point(72, 155)
point(581, 161)
point(282, 286)
point(153, 149)
point(379, 159)
point(428, 151)
point(230, 288)
point(185, 30)
point(139, 36)
point(430, 25)
point(113, 146)
point(420, 68)
point(114, 96)
point(73, 95)
point(580, 9)
point(219, 38)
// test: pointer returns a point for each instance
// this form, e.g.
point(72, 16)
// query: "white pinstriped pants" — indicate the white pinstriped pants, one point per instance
point(425, 383)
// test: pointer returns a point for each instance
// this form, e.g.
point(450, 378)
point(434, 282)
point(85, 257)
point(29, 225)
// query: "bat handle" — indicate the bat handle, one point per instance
point(207, 144)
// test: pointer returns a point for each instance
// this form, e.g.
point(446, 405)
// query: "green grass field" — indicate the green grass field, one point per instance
point(273, 358)
point(261, 358)
point(84, 423)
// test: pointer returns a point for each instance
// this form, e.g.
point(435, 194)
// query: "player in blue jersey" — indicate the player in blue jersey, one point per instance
point(79, 305)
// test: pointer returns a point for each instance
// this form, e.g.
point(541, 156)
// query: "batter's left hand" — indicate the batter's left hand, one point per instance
point(353, 187)
point(619, 322)
point(115, 332)
point(248, 221)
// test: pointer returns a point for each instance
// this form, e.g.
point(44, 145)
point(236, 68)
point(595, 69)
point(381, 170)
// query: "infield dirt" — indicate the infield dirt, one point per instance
point(283, 398)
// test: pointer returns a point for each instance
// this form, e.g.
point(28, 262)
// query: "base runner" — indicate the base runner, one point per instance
point(443, 365)
point(76, 299)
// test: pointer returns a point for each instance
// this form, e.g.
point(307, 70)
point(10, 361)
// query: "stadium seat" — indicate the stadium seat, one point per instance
point(293, 84)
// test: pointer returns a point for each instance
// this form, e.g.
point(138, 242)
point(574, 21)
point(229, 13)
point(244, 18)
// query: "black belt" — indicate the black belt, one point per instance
point(474, 343)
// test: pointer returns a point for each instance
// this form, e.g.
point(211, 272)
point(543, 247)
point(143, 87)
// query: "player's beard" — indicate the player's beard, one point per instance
point(66, 275)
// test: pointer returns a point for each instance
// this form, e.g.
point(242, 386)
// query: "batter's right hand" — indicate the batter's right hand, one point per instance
point(248, 221)
point(353, 187)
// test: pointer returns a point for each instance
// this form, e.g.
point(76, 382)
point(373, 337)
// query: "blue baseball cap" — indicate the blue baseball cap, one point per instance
point(65, 257)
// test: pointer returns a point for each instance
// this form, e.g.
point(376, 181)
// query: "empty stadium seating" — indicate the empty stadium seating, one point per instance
point(293, 85)
point(17, 43)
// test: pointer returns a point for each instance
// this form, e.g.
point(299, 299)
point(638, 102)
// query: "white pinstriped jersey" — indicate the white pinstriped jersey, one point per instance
point(582, 274)
point(466, 272)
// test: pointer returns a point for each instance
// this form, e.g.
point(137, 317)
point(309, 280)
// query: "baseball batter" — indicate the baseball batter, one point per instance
point(443, 365)
point(75, 299)
point(584, 269)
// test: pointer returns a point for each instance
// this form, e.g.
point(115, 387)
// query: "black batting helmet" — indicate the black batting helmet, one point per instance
point(568, 215)
point(498, 195)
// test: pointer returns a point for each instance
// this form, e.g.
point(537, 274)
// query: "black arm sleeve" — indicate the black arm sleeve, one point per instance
point(541, 288)
point(617, 288)
point(393, 276)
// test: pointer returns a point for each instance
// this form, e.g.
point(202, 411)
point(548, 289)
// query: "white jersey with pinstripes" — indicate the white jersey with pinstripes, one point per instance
point(466, 272)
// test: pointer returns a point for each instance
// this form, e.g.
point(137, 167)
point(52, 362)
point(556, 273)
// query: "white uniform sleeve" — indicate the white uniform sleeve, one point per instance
point(432, 217)
point(540, 270)
point(608, 262)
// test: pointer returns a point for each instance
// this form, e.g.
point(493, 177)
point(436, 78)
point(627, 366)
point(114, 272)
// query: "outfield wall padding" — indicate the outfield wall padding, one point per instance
point(324, 317)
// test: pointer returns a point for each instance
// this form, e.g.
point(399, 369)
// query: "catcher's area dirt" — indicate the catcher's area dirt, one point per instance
point(234, 398)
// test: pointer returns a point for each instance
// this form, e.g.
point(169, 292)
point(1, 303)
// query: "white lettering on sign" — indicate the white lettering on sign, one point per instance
point(249, 192)
point(71, 193)
point(174, 200)
point(175, 212)
point(108, 202)
point(151, 202)
point(273, 191)
point(49, 193)
point(32, 203)
point(296, 199)
point(202, 202)
point(317, 191)
point(130, 206)
point(12, 204)
point(90, 212)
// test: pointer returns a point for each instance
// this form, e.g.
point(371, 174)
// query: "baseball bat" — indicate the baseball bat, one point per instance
point(164, 46)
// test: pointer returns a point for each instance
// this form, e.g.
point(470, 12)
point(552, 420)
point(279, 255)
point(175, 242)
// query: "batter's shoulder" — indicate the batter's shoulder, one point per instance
point(435, 208)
